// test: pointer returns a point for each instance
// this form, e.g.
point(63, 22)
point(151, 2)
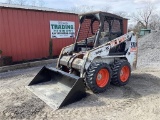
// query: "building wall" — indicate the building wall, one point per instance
point(25, 34)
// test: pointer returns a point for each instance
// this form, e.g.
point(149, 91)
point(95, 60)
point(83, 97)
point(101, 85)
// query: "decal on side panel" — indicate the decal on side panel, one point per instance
point(133, 47)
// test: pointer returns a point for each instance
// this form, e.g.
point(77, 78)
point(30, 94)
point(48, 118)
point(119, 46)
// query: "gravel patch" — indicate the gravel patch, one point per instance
point(149, 50)
point(27, 109)
point(138, 100)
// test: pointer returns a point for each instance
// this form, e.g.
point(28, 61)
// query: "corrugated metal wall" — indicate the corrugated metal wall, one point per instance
point(25, 34)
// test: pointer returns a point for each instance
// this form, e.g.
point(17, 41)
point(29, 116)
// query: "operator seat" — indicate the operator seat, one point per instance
point(104, 38)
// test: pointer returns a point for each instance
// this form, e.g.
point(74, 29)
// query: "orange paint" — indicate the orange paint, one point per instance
point(124, 74)
point(102, 78)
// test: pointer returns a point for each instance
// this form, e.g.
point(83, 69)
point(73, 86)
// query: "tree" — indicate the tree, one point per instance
point(33, 2)
point(107, 8)
point(155, 22)
point(21, 2)
point(82, 9)
point(39, 3)
point(138, 27)
point(131, 27)
point(86, 8)
point(143, 15)
point(9, 1)
point(121, 13)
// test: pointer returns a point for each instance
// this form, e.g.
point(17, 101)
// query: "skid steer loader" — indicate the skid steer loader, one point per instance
point(102, 54)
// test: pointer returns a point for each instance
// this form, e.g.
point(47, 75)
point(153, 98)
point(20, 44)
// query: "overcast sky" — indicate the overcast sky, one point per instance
point(116, 5)
point(127, 6)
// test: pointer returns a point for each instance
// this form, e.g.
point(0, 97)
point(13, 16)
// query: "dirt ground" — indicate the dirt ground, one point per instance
point(139, 100)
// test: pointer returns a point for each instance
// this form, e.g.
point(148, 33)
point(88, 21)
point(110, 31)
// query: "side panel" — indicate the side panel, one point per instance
point(132, 52)
point(103, 51)
point(125, 26)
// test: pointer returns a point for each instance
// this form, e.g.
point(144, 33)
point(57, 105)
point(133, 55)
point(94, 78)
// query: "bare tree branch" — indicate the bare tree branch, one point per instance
point(9, 1)
point(121, 13)
point(143, 15)
point(33, 2)
point(21, 2)
point(106, 8)
point(41, 3)
point(82, 9)
point(155, 22)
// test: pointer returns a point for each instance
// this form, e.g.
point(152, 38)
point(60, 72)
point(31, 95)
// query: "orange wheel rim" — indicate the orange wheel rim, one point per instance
point(124, 73)
point(102, 78)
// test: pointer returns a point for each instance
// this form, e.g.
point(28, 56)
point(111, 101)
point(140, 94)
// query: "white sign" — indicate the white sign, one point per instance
point(62, 29)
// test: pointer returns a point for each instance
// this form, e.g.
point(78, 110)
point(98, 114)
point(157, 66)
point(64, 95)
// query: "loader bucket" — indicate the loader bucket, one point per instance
point(57, 88)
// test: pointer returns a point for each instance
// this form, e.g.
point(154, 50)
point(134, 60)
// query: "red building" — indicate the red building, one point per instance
point(25, 31)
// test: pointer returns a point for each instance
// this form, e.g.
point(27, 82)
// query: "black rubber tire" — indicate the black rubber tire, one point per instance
point(116, 68)
point(91, 76)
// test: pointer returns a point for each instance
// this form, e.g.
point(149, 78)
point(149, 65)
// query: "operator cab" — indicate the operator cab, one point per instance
point(97, 28)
